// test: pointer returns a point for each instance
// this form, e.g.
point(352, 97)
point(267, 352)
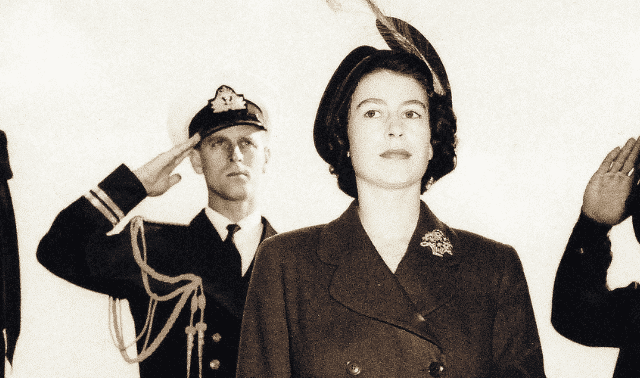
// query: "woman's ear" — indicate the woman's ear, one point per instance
point(196, 161)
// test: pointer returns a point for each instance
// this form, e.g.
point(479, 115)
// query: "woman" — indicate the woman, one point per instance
point(387, 290)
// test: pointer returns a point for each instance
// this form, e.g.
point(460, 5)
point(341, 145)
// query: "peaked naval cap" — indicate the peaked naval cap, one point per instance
point(226, 109)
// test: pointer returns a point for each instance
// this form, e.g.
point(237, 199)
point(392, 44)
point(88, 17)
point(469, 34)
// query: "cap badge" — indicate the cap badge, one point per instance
point(227, 99)
point(439, 243)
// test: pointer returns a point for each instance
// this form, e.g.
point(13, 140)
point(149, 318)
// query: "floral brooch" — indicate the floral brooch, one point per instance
point(439, 243)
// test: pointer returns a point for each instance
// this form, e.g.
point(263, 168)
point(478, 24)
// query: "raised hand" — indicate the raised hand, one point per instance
point(606, 195)
point(156, 175)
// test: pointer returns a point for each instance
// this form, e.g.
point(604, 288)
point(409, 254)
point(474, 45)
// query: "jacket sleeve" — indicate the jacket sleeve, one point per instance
point(584, 309)
point(264, 339)
point(516, 344)
point(74, 248)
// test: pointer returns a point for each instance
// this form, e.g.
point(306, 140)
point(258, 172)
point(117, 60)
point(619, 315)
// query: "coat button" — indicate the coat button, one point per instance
point(436, 369)
point(214, 364)
point(353, 368)
point(216, 337)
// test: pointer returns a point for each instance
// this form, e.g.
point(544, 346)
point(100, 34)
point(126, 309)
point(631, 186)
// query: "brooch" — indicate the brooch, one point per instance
point(438, 242)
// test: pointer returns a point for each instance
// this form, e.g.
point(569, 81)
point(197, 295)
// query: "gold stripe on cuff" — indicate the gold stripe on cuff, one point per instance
point(107, 201)
point(103, 209)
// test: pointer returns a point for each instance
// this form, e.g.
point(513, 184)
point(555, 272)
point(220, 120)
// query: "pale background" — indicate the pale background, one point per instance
point(542, 89)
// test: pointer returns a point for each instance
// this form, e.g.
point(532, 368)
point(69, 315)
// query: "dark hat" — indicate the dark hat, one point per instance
point(326, 117)
point(226, 109)
point(402, 38)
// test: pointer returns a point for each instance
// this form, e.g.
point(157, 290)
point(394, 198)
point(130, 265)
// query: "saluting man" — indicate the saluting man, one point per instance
point(186, 285)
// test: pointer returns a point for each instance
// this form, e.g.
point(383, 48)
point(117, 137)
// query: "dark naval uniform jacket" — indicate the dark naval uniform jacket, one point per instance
point(77, 249)
point(323, 303)
point(585, 310)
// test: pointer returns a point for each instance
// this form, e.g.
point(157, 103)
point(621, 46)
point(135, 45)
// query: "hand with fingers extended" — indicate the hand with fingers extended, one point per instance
point(157, 175)
point(606, 195)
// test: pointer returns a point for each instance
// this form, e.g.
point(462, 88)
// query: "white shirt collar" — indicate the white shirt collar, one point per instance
point(246, 239)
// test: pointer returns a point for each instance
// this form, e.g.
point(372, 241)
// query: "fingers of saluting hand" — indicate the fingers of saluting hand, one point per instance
point(182, 150)
point(621, 160)
point(156, 176)
point(630, 160)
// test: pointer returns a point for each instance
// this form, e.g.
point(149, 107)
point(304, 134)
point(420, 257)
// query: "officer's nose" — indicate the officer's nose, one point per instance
point(235, 155)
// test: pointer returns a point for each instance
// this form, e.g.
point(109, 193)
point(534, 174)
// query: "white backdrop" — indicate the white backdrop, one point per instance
point(543, 89)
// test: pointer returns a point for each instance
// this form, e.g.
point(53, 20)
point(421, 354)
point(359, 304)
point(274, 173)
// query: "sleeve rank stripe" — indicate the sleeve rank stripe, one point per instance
point(102, 208)
point(109, 202)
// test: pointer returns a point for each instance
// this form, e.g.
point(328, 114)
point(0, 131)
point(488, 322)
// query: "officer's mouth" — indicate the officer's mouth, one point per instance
point(238, 174)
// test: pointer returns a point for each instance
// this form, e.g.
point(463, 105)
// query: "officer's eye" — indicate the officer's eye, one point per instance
point(246, 143)
point(217, 143)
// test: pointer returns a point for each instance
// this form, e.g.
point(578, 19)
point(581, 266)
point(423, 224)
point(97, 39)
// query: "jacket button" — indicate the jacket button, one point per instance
point(353, 368)
point(436, 369)
point(216, 337)
point(214, 364)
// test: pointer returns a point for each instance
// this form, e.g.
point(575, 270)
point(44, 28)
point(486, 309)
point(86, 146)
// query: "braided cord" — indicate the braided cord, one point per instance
point(190, 289)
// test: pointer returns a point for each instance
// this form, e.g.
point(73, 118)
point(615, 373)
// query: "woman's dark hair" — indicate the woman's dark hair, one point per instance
point(333, 143)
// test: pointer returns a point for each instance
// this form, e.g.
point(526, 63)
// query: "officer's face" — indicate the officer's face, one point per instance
point(389, 134)
point(233, 161)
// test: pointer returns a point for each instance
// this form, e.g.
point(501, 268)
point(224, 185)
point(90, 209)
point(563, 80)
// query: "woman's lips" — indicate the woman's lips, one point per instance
point(396, 154)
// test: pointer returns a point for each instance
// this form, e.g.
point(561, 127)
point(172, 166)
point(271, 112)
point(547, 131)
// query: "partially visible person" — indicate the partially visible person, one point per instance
point(186, 285)
point(9, 259)
point(584, 309)
point(387, 289)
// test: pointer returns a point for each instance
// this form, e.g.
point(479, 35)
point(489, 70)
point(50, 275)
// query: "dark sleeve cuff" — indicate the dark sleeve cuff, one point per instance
point(117, 194)
point(124, 188)
point(589, 231)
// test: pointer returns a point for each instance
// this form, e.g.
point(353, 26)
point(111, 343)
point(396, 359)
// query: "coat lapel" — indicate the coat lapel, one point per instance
point(363, 282)
point(428, 277)
point(207, 249)
point(267, 232)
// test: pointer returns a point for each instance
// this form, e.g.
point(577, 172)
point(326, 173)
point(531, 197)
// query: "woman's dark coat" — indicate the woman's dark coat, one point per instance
point(322, 303)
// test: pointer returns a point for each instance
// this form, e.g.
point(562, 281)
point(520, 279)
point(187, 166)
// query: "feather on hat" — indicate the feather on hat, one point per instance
point(401, 36)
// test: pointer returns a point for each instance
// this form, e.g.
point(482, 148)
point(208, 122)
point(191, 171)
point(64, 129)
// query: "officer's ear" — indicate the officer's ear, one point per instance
point(196, 160)
point(267, 156)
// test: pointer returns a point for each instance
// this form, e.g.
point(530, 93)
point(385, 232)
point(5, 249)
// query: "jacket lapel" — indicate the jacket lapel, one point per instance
point(428, 277)
point(207, 249)
point(267, 232)
point(363, 282)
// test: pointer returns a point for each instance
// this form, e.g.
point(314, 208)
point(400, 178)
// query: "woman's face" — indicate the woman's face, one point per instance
point(389, 131)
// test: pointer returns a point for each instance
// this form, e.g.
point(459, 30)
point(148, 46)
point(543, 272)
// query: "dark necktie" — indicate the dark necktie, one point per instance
point(234, 256)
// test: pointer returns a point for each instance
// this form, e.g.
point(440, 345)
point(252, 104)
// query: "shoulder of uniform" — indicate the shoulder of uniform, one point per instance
point(293, 237)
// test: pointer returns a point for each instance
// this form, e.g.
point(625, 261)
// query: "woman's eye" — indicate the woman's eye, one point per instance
point(372, 114)
point(412, 114)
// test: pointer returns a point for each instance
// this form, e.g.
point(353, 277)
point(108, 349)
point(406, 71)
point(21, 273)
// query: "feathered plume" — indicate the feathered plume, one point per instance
point(400, 35)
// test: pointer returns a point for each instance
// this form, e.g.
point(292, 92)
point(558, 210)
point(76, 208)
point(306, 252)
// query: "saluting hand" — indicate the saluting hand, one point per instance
point(156, 175)
point(606, 195)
